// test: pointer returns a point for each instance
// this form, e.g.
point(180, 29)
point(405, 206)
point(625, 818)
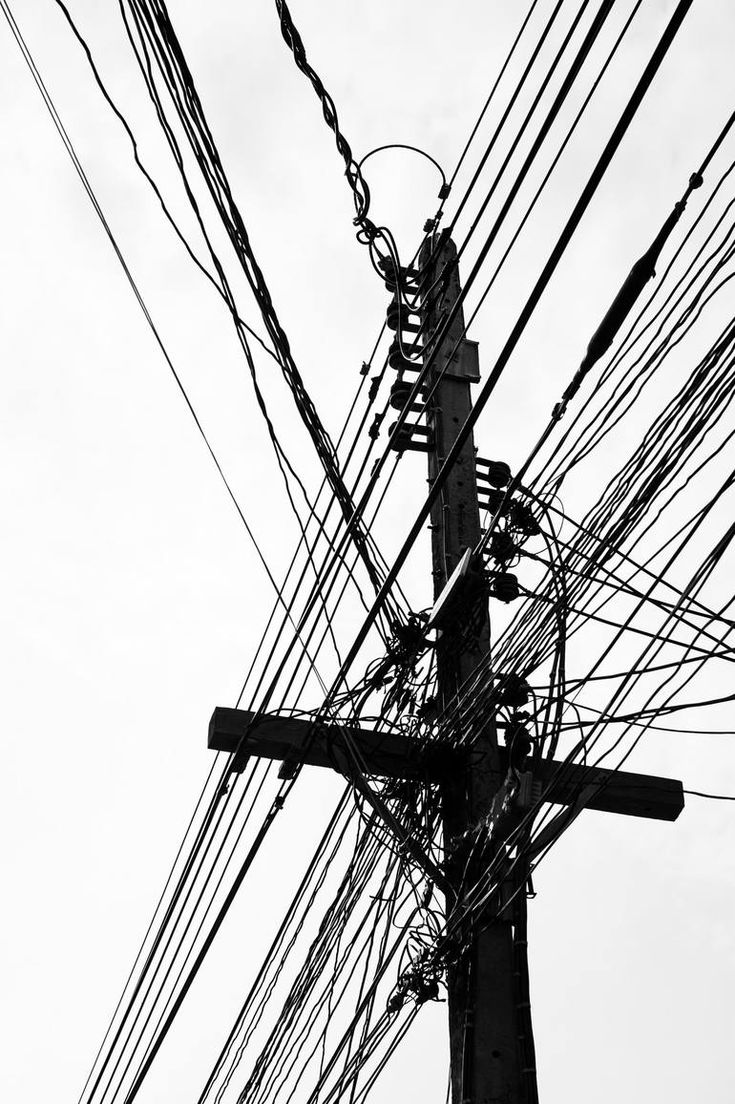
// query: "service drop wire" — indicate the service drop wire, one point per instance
point(238, 240)
point(318, 966)
point(703, 611)
point(549, 172)
point(590, 523)
point(254, 1003)
point(396, 427)
point(155, 33)
point(425, 402)
point(123, 120)
point(277, 804)
point(615, 586)
point(573, 221)
point(326, 930)
point(186, 924)
point(728, 628)
point(635, 334)
point(127, 273)
point(4, 6)
point(508, 109)
point(128, 129)
point(685, 6)
point(567, 84)
point(695, 181)
point(585, 48)
point(566, 822)
point(607, 544)
point(318, 971)
point(684, 541)
point(543, 280)
point(327, 580)
point(490, 97)
point(88, 188)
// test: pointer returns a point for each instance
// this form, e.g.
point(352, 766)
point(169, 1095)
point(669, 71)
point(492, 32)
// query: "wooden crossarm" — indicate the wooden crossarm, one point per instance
point(392, 755)
point(297, 740)
point(387, 754)
point(640, 795)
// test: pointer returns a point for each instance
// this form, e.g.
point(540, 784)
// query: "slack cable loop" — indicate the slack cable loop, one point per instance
point(445, 188)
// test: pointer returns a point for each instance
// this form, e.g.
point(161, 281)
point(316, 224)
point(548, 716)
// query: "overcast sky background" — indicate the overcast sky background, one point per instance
point(132, 599)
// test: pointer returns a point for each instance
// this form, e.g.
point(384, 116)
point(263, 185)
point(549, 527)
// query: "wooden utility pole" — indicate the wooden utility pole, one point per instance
point(491, 1043)
point(485, 985)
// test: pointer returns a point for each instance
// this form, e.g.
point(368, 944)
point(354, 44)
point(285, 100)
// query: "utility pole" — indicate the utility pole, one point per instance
point(491, 1042)
point(485, 984)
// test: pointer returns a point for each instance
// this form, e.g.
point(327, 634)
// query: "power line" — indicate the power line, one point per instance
point(712, 797)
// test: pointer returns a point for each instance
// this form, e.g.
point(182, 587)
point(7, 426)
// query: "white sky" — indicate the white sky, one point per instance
point(132, 600)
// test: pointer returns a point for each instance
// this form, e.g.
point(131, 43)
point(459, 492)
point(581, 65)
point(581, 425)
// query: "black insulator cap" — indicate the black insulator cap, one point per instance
point(492, 500)
point(399, 393)
point(398, 360)
point(521, 517)
point(393, 314)
point(495, 472)
point(505, 586)
point(514, 691)
point(502, 546)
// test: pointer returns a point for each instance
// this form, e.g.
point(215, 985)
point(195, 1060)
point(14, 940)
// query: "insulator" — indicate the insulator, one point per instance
point(408, 289)
point(398, 357)
point(494, 500)
point(495, 472)
point(401, 317)
point(502, 546)
point(289, 768)
point(514, 691)
point(408, 278)
point(387, 265)
point(521, 517)
point(399, 393)
point(411, 635)
point(505, 586)
point(428, 710)
point(412, 428)
point(407, 444)
point(411, 437)
point(426, 989)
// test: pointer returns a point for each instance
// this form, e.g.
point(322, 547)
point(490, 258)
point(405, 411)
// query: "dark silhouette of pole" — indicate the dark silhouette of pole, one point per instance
point(491, 1044)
